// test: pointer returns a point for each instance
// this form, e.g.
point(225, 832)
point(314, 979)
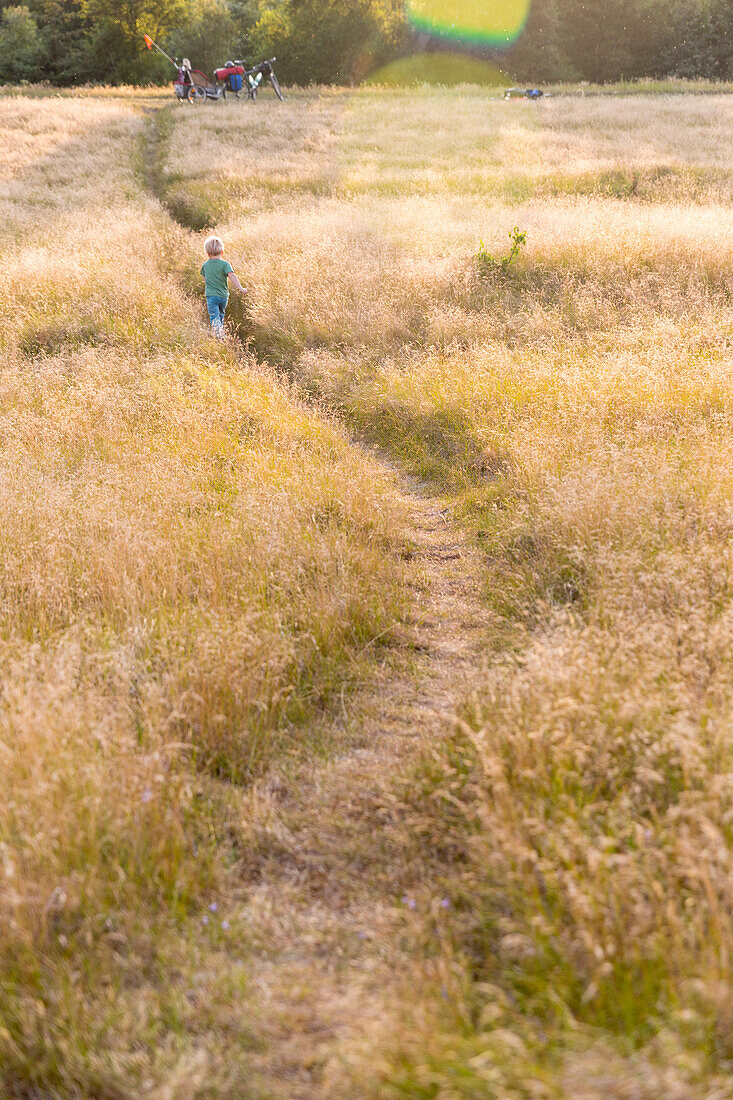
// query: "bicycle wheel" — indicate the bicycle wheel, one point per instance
point(196, 94)
point(276, 86)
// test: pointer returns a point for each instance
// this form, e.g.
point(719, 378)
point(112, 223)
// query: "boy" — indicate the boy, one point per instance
point(217, 273)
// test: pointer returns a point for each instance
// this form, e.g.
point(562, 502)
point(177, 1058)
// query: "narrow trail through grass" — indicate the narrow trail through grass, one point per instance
point(335, 879)
point(331, 880)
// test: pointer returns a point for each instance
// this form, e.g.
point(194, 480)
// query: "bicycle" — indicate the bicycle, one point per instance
point(255, 76)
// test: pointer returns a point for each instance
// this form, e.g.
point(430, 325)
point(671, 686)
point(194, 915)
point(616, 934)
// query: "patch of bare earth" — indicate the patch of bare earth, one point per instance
point(334, 874)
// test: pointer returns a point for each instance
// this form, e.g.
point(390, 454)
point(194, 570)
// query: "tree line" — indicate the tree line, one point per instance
point(342, 41)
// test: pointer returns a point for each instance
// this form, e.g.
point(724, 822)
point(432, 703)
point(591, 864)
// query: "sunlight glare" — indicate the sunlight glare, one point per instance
point(442, 68)
point(484, 22)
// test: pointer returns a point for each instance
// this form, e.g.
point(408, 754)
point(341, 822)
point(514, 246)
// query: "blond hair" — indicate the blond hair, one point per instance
point(213, 246)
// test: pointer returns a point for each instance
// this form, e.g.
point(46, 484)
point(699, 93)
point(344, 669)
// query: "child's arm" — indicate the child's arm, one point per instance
point(236, 283)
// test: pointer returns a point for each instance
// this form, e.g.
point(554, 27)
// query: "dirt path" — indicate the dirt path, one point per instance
point(332, 874)
point(334, 881)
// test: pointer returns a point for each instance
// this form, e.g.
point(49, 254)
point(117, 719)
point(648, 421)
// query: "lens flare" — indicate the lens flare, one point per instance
point(494, 23)
point(445, 69)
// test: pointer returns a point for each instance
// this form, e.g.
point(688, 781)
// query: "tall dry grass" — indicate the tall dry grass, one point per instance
point(192, 562)
point(579, 407)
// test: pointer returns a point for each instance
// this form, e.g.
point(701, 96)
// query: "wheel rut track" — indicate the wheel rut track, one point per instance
point(323, 898)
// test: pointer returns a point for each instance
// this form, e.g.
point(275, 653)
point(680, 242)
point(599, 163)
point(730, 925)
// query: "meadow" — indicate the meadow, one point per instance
point(201, 553)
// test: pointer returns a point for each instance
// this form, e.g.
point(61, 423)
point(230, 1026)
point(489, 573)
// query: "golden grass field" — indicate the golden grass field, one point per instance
point(200, 556)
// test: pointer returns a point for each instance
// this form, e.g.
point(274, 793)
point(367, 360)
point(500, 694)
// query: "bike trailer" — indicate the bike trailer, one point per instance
point(232, 75)
point(197, 79)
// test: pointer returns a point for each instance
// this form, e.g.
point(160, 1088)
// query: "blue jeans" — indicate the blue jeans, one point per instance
point(217, 308)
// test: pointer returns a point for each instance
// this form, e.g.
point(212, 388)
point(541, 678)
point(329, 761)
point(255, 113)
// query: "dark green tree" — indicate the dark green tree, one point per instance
point(209, 36)
point(327, 41)
point(21, 49)
point(63, 27)
point(115, 38)
point(721, 39)
point(596, 38)
point(539, 54)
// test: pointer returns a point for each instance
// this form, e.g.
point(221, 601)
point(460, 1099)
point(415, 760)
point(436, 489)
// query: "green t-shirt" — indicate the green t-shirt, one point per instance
point(215, 273)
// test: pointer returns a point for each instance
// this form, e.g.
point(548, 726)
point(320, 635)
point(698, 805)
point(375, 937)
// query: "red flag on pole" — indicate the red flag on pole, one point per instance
point(154, 46)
